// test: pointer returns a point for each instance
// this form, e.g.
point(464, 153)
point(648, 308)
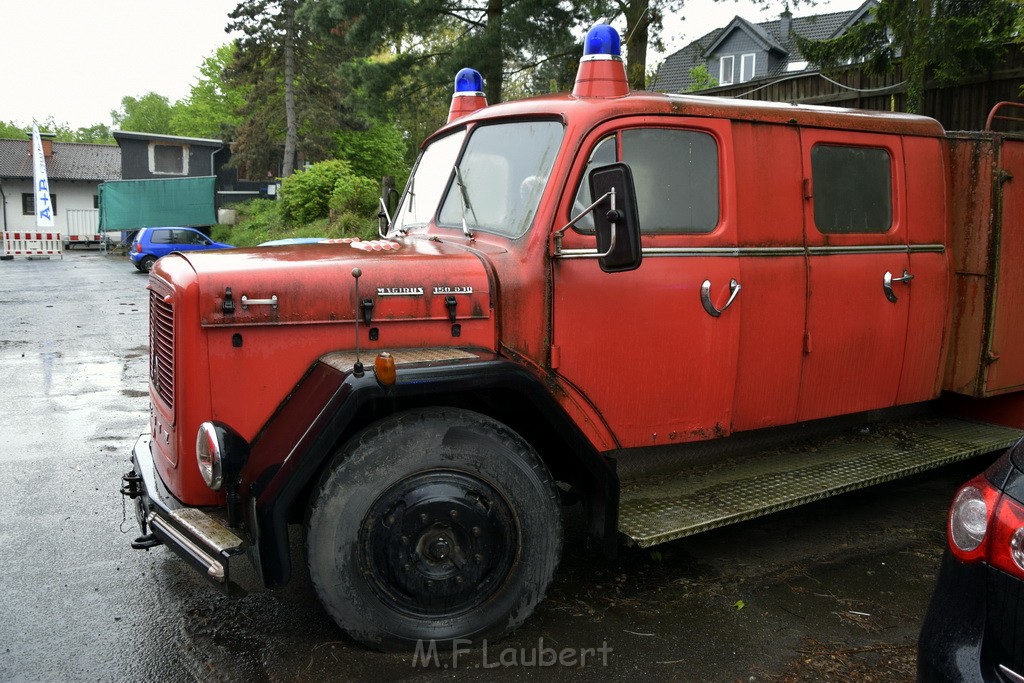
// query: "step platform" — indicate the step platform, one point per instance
point(765, 474)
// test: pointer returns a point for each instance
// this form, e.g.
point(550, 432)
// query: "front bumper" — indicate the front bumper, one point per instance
point(199, 538)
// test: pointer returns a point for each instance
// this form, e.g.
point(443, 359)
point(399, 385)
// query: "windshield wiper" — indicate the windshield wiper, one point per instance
point(464, 200)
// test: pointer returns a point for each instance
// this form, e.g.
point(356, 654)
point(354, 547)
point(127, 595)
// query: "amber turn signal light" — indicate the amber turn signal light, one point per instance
point(384, 368)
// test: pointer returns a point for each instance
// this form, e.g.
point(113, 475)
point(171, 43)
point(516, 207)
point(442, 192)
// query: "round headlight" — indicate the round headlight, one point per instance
point(208, 456)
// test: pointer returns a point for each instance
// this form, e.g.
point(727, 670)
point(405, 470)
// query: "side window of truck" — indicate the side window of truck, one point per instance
point(852, 189)
point(676, 177)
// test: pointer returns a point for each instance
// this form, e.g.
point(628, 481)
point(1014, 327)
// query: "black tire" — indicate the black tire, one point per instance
point(146, 264)
point(434, 524)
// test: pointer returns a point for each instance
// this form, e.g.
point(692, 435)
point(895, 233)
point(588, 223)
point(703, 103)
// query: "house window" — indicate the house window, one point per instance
point(747, 63)
point(725, 68)
point(28, 203)
point(852, 189)
point(168, 159)
point(95, 201)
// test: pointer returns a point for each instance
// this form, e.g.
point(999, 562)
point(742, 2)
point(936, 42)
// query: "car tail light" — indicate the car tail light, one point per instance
point(138, 247)
point(969, 519)
point(1007, 546)
point(985, 525)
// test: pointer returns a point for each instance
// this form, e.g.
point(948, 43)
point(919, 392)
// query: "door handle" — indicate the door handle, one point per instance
point(705, 297)
point(887, 281)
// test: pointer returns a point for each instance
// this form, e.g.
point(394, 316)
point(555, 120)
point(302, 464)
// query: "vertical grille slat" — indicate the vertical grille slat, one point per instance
point(161, 347)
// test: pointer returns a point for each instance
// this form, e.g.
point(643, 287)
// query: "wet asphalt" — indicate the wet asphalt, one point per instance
point(831, 591)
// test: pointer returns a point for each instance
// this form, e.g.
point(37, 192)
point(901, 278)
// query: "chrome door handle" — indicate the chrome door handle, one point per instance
point(705, 297)
point(247, 302)
point(887, 281)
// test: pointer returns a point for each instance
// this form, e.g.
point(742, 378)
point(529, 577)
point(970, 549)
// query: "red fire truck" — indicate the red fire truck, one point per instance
point(681, 312)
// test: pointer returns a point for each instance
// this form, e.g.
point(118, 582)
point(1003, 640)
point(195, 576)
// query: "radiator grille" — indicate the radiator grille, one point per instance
point(161, 347)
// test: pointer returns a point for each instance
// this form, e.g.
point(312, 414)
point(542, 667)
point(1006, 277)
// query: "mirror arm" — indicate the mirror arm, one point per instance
point(561, 231)
point(615, 229)
point(387, 219)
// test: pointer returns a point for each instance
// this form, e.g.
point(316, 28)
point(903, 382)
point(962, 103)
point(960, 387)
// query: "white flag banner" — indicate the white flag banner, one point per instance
point(44, 209)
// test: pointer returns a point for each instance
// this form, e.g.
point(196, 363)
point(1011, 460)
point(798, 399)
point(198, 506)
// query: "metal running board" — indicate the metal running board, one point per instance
point(727, 490)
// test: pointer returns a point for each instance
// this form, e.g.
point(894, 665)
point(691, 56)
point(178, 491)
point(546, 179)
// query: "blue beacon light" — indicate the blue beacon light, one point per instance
point(469, 81)
point(602, 41)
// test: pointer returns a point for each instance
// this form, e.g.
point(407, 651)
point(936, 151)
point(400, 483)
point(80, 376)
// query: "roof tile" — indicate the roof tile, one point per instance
point(70, 161)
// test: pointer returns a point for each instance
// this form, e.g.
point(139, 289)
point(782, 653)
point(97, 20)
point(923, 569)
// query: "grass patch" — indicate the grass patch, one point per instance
point(261, 220)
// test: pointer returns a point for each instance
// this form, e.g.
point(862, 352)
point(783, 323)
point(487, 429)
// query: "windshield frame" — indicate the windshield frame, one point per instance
point(398, 224)
point(455, 221)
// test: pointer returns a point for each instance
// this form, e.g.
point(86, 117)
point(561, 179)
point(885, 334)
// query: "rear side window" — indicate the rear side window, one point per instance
point(161, 237)
point(188, 237)
point(852, 189)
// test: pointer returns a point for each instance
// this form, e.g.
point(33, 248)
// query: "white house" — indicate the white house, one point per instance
point(74, 171)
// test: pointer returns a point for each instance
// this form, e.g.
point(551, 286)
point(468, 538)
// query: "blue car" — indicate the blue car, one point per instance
point(152, 243)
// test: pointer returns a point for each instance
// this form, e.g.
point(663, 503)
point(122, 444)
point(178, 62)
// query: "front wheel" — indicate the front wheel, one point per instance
point(433, 525)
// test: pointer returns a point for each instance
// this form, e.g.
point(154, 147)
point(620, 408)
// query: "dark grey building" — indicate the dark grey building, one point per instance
point(743, 51)
point(147, 156)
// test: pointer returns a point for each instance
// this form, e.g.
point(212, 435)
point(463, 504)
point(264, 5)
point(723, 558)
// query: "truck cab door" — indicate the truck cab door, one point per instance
point(858, 279)
point(654, 349)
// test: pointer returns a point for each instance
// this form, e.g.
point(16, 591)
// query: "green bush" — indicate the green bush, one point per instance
point(305, 194)
point(355, 194)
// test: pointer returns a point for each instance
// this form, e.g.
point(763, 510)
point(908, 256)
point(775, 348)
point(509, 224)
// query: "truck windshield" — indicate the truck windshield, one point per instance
point(503, 173)
point(423, 193)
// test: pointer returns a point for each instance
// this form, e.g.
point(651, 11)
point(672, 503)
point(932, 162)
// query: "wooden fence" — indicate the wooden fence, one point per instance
point(961, 106)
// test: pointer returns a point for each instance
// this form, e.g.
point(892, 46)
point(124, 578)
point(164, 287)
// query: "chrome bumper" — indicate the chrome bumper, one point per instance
point(200, 539)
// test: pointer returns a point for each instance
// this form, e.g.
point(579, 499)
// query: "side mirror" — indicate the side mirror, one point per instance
point(615, 218)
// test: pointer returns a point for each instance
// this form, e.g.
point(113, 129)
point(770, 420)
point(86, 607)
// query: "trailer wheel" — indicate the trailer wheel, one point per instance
point(146, 264)
point(435, 524)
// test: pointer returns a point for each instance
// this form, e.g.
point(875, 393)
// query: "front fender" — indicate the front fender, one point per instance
point(332, 402)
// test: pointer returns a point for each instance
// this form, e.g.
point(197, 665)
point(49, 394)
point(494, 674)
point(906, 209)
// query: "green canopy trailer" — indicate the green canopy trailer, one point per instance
point(134, 204)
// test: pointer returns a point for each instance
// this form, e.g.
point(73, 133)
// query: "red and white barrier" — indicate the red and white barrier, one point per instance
point(32, 244)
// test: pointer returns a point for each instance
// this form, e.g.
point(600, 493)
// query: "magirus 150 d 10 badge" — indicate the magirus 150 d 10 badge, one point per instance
point(446, 289)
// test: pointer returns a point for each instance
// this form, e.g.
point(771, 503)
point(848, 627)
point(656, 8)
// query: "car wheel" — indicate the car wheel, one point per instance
point(434, 524)
point(146, 264)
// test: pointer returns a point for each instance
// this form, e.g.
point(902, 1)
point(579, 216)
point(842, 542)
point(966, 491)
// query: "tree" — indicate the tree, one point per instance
point(211, 108)
point(375, 152)
point(702, 79)
point(150, 113)
point(97, 133)
point(643, 30)
point(11, 130)
point(943, 39)
point(289, 76)
point(499, 38)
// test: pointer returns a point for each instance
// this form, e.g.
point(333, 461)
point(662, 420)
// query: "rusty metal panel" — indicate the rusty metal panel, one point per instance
point(1005, 358)
point(987, 343)
point(972, 165)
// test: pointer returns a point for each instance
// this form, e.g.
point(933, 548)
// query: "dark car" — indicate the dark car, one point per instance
point(152, 243)
point(974, 629)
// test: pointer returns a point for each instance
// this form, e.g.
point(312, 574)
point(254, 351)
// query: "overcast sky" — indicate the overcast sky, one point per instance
point(75, 59)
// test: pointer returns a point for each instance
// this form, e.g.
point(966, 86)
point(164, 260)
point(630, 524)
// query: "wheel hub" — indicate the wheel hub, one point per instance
point(438, 542)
